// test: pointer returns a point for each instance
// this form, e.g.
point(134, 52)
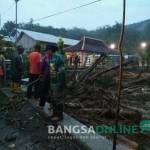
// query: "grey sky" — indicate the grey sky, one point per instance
point(106, 12)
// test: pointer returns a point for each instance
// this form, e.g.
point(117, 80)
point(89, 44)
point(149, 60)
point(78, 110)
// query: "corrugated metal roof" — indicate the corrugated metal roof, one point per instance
point(47, 37)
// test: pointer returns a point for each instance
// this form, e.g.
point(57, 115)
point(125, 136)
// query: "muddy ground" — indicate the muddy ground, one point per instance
point(22, 127)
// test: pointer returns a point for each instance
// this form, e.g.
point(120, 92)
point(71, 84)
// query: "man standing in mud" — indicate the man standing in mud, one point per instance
point(58, 83)
point(45, 76)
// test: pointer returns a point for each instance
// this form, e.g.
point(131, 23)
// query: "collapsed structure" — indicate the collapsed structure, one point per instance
point(89, 49)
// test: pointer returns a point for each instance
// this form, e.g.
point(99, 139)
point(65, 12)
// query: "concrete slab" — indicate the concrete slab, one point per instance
point(97, 143)
point(92, 142)
point(24, 88)
point(47, 109)
point(24, 83)
point(7, 92)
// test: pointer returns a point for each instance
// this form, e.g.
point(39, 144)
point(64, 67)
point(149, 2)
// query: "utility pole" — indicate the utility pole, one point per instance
point(0, 21)
point(119, 92)
point(16, 17)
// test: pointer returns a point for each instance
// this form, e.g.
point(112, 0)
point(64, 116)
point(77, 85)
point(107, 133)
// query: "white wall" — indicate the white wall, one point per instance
point(26, 42)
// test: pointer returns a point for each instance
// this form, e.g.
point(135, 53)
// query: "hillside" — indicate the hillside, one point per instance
point(134, 34)
point(139, 26)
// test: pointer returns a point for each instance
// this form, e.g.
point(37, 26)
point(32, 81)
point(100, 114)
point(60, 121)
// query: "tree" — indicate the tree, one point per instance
point(148, 55)
point(145, 56)
point(109, 34)
point(146, 35)
point(1, 42)
point(8, 28)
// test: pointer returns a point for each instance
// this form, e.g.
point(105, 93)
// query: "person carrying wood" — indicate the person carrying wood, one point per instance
point(17, 70)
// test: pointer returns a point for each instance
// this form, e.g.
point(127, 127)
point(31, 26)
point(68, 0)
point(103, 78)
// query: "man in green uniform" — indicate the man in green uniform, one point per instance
point(58, 83)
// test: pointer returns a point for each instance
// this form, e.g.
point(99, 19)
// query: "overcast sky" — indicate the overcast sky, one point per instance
point(106, 12)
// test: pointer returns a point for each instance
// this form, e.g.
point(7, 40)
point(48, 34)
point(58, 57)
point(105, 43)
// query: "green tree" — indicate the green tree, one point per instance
point(147, 57)
point(1, 42)
point(8, 28)
point(134, 34)
point(146, 33)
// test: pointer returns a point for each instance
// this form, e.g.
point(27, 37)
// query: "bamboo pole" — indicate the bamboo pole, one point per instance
point(120, 72)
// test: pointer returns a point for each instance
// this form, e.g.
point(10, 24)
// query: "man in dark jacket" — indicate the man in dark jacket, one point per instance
point(45, 75)
point(17, 70)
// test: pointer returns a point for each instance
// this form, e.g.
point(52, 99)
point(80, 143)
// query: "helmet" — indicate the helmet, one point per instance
point(20, 49)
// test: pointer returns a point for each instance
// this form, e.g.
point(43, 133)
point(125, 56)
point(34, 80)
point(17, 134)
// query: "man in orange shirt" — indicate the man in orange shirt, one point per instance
point(34, 59)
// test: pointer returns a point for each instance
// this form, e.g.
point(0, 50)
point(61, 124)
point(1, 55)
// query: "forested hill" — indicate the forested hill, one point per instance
point(134, 34)
point(140, 26)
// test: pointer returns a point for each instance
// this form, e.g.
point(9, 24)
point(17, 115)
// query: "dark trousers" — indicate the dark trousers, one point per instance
point(16, 78)
point(44, 90)
point(1, 81)
point(58, 104)
point(32, 78)
point(58, 109)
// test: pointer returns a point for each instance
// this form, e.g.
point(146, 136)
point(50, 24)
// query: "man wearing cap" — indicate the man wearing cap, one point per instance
point(34, 71)
point(17, 70)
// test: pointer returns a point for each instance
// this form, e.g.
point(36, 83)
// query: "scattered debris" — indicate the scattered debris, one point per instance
point(92, 98)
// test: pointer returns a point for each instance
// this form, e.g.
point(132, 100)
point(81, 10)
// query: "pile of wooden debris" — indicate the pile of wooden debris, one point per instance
point(91, 98)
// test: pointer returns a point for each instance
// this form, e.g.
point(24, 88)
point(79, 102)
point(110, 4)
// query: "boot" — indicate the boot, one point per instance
point(58, 112)
point(54, 117)
point(17, 88)
point(12, 86)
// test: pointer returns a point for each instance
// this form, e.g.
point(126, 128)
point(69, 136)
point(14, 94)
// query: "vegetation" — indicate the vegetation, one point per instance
point(3, 99)
point(1, 41)
point(144, 55)
point(134, 33)
point(6, 47)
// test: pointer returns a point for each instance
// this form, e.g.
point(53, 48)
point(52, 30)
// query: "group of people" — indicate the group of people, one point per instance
point(74, 60)
point(46, 72)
